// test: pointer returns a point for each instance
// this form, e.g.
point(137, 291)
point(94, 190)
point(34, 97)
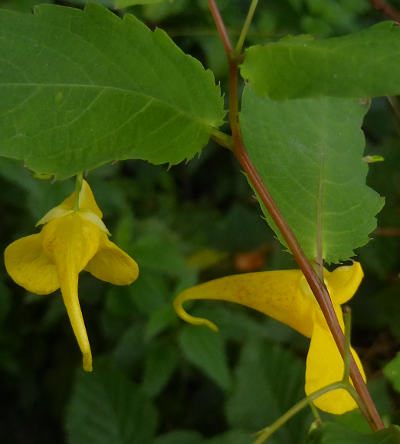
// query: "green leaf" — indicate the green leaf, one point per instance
point(130, 349)
point(161, 361)
point(309, 154)
point(180, 437)
point(126, 3)
point(22, 5)
point(268, 381)
point(364, 64)
point(116, 4)
point(331, 433)
point(205, 349)
point(392, 372)
point(159, 320)
point(82, 88)
point(108, 408)
point(234, 437)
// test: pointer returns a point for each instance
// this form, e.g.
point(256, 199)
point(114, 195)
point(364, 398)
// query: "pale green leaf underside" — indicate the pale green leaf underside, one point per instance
point(364, 64)
point(82, 88)
point(309, 154)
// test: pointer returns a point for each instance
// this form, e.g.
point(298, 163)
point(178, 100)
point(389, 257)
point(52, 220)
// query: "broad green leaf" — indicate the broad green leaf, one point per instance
point(82, 88)
point(309, 154)
point(268, 381)
point(331, 433)
point(364, 64)
point(108, 408)
point(205, 349)
point(392, 372)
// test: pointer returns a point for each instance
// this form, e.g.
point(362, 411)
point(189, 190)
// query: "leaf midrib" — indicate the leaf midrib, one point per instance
point(110, 88)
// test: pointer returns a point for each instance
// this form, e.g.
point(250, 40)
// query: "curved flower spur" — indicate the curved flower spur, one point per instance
point(73, 238)
point(285, 296)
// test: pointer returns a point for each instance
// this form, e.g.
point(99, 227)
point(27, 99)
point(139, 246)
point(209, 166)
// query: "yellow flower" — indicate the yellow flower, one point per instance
point(285, 296)
point(70, 241)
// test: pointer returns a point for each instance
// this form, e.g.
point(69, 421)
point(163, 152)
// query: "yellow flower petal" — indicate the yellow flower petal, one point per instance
point(275, 293)
point(325, 366)
point(30, 267)
point(344, 281)
point(54, 213)
point(87, 203)
point(69, 290)
point(113, 265)
point(71, 233)
point(94, 219)
point(71, 241)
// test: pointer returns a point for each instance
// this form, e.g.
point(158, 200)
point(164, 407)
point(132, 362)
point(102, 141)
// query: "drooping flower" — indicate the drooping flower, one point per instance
point(286, 296)
point(73, 238)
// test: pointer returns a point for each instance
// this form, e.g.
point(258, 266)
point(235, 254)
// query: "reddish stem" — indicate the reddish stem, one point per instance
point(221, 27)
point(386, 9)
point(387, 231)
point(316, 284)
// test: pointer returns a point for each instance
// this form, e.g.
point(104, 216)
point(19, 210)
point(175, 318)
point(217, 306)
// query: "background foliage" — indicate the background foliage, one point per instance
point(157, 380)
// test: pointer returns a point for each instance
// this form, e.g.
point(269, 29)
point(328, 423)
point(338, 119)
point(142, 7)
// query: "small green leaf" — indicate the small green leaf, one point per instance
point(392, 372)
point(268, 381)
point(159, 320)
point(309, 154)
point(106, 407)
point(82, 88)
point(332, 433)
point(161, 361)
point(364, 64)
point(180, 437)
point(205, 349)
point(234, 437)
point(119, 4)
point(116, 4)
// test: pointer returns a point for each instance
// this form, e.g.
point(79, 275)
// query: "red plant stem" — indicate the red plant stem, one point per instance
point(316, 284)
point(221, 27)
point(386, 9)
point(387, 231)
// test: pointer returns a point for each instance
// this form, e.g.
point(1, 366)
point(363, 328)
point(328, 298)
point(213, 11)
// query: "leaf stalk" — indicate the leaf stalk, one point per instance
point(78, 187)
point(246, 26)
point(222, 139)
